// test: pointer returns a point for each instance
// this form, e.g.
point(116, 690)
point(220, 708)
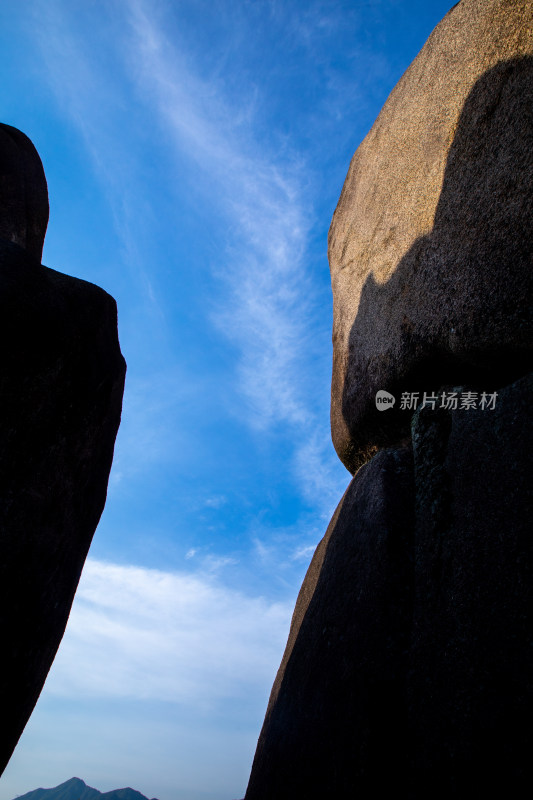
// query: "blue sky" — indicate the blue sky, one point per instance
point(195, 152)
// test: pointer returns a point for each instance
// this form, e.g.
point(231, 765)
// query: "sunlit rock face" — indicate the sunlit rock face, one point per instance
point(430, 246)
point(61, 385)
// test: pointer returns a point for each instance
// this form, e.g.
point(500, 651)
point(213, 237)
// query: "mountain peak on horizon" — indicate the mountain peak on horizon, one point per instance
point(77, 789)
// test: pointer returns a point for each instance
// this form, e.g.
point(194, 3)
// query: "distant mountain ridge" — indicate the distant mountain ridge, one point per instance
point(76, 789)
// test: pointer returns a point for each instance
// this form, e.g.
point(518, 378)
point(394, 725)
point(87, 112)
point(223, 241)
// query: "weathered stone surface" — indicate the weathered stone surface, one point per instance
point(337, 710)
point(430, 246)
point(23, 192)
point(61, 385)
point(408, 670)
point(471, 678)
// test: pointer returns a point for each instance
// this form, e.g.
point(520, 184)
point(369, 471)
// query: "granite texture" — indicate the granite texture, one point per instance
point(408, 670)
point(430, 246)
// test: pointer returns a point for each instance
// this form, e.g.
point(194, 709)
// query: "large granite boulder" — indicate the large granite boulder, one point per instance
point(430, 246)
point(408, 670)
point(61, 386)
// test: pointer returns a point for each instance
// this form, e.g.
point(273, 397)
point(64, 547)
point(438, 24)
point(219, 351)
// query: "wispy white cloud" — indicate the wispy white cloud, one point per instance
point(317, 472)
point(216, 501)
point(304, 553)
point(85, 74)
point(268, 304)
point(267, 296)
point(178, 637)
point(284, 552)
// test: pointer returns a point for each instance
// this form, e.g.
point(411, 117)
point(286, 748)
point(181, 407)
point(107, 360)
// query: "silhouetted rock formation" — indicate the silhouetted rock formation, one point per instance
point(407, 672)
point(23, 192)
point(61, 385)
point(76, 789)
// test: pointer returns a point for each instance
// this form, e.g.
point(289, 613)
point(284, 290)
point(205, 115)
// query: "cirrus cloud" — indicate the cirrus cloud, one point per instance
point(179, 637)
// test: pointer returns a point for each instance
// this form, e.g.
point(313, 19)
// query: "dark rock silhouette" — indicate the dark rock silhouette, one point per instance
point(409, 662)
point(61, 386)
point(337, 709)
point(23, 192)
point(408, 666)
point(470, 688)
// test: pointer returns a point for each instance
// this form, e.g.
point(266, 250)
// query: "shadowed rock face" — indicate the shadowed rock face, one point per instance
point(431, 244)
point(61, 386)
point(470, 688)
point(337, 709)
point(408, 667)
point(23, 192)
